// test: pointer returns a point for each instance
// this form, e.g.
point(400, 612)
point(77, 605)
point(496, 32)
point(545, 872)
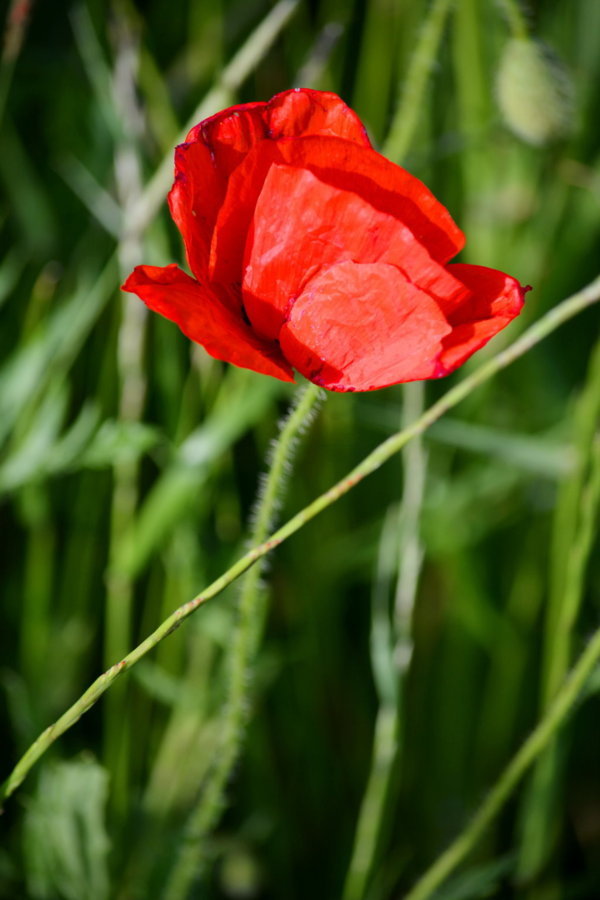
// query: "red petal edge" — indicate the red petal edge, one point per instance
point(215, 147)
point(303, 112)
point(206, 319)
point(495, 301)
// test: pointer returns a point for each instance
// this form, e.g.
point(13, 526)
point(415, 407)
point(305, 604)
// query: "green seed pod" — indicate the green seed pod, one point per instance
point(534, 92)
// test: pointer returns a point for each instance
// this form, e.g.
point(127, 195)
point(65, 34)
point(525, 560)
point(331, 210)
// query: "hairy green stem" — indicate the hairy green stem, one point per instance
point(246, 638)
point(535, 744)
point(384, 451)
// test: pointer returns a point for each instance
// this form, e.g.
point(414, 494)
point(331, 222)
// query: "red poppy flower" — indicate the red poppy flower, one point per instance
point(310, 251)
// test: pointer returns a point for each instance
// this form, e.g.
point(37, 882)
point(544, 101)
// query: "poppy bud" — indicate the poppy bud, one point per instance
point(534, 92)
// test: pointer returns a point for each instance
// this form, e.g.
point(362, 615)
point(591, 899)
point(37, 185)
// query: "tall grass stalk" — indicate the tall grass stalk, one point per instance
point(573, 539)
point(387, 740)
point(533, 747)
point(119, 593)
point(422, 62)
point(221, 95)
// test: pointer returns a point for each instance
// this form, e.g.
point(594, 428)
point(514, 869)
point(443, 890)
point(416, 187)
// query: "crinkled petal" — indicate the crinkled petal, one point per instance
point(231, 134)
point(303, 112)
point(206, 319)
point(212, 149)
point(362, 327)
point(495, 299)
point(316, 226)
point(217, 145)
point(340, 164)
point(495, 294)
point(194, 201)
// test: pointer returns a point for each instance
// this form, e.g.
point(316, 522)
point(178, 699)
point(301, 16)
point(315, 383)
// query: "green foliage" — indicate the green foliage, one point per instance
point(130, 462)
point(65, 840)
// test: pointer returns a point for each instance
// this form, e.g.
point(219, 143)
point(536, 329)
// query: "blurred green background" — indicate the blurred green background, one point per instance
point(130, 462)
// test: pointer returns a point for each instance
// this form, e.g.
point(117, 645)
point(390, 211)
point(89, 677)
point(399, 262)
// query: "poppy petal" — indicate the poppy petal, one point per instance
point(496, 298)
point(362, 327)
point(317, 226)
point(203, 163)
point(303, 112)
point(341, 164)
point(386, 186)
point(217, 145)
point(194, 201)
point(205, 318)
point(231, 134)
point(297, 113)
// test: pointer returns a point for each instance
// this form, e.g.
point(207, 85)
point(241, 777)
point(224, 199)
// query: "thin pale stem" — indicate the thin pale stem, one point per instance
point(132, 387)
point(586, 484)
point(422, 61)
point(535, 744)
point(245, 642)
point(580, 499)
point(384, 451)
point(386, 736)
point(377, 789)
point(516, 19)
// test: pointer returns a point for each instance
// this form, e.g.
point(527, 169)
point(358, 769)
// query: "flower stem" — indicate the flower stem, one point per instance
point(192, 856)
point(384, 451)
point(535, 744)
